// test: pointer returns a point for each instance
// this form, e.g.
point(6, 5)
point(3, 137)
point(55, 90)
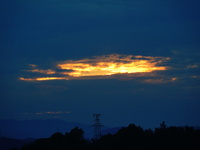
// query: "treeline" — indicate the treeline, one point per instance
point(127, 138)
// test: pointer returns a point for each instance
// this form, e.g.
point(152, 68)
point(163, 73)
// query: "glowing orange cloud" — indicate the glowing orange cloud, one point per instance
point(112, 64)
point(101, 66)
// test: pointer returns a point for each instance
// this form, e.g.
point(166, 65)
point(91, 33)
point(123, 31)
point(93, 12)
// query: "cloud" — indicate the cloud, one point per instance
point(32, 65)
point(43, 78)
point(44, 114)
point(192, 66)
point(48, 71)
point(195, 77)
point(160, 80)
point(105, 66)
point(52, 113)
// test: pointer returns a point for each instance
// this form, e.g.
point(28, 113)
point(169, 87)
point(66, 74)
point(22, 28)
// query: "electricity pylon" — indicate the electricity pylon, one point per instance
point(97, 126)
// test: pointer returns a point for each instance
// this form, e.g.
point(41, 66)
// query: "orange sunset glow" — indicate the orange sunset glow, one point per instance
point(102, 66)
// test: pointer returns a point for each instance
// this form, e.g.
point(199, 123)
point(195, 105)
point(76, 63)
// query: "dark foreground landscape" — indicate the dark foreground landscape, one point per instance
point(127, 138)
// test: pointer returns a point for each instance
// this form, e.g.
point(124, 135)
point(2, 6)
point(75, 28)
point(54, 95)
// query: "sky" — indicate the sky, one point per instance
point(132, 61)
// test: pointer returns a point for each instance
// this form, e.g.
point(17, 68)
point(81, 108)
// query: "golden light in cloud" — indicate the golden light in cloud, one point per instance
point(112, 64)
point(43, 78)
point(106, 65)
point(109, 68)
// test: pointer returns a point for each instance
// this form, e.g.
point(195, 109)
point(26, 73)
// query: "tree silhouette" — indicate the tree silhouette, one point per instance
point(127, 138)
point(72, 140)
point(163, 125)
point(75, 135)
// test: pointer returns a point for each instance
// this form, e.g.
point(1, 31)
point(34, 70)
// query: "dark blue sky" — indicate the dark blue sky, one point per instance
point(46, 32)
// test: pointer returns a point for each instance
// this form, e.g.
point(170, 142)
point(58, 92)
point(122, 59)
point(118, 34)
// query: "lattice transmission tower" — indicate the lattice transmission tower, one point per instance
point(97, 126)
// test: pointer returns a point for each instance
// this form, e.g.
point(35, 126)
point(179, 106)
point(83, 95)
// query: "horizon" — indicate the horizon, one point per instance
point(37, 129)
point(104, 126)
